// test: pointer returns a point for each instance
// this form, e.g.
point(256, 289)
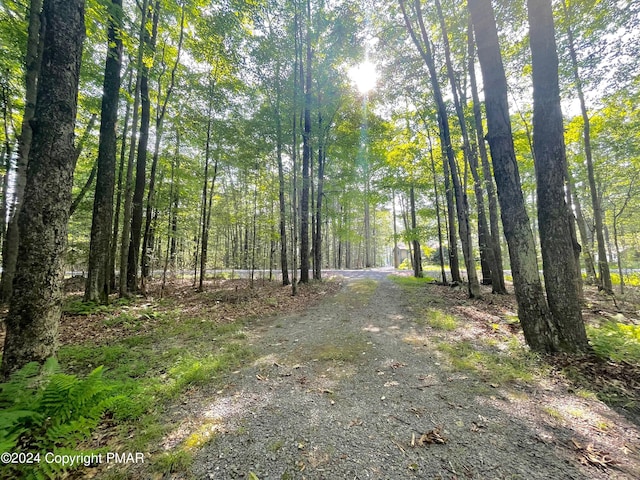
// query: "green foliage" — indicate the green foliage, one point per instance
point(411, 282)
point(617, 341)
point(632, 280)
point(440, 320)
point(405, 265)
point(44, 410)
point(514, 365)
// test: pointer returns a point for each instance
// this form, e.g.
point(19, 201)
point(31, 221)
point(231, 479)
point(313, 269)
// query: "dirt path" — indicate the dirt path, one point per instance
point(339, 393)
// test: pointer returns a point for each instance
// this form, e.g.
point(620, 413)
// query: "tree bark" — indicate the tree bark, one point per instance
point(147, 242)
point(141, 160)
point(497, 277)
point(32, 65)
point(487, 256)
point(554, 217)
point(97, 287)
point(34, 313)
point(462, 207)
point(533, 310)
point(284, 266)
point(417, 253)
point(306, 159)
point(128, 196)
point(604, 281)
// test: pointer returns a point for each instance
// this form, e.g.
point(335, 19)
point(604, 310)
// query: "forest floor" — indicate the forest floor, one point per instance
point(368, 376)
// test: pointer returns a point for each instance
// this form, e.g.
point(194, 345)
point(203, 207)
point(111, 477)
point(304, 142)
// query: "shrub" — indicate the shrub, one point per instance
point(616, 341)
point(43, 410)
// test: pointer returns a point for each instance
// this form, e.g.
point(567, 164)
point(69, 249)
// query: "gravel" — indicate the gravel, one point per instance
point(339, 393)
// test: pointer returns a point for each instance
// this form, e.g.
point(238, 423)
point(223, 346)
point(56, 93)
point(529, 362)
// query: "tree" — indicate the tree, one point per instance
point(34, 312)
point(603, 265)
point(33, 62)
point(533, 310)
point(149, 40)
point(554, 218)
point(97, 286)
point(462, 206)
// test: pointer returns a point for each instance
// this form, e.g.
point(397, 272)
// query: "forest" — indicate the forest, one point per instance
point(163, 155)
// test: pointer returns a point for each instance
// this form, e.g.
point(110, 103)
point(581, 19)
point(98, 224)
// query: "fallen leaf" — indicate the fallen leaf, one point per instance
point(432, 437)
point(593, 457)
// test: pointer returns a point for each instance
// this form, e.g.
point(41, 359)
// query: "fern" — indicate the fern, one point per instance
point(45, 410)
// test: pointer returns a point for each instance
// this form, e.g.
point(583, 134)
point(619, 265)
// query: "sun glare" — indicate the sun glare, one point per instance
point(364, 76)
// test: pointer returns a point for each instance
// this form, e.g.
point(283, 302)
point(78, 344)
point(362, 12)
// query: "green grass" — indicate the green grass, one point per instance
point(516, 364)
point(153, 369)
point(358, 292)
point(410, 281)
point(347, 349)
point(440, 320)
point(616, 341)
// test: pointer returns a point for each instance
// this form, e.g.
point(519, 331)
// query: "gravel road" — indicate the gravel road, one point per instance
point(338, 392)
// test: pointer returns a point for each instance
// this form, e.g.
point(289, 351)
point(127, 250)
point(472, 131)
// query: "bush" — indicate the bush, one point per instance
point(616, 341)
point(43, 410)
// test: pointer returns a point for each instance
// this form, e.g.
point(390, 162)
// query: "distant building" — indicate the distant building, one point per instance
point(401, 253)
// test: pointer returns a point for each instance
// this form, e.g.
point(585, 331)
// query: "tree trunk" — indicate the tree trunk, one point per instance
point(437, 199)
point(128, 197)
point(417, 253)
point(34, 313)
point(317, 243)
point(121, 167)
point(32, 65)
point(488, 260)
point(584, 235)
point(497, 276)
point(533, 311)
point(306, 160)
point(454, 260)
point(147, 244)
point(97, 286)
point(603, 265)
point(141, 160)
point(462, 207)
point(284, 266)
point(554, 217)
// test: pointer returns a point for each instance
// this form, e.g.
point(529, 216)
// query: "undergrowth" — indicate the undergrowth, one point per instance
point(46, 412)
point(151, 368)
point(616, 341)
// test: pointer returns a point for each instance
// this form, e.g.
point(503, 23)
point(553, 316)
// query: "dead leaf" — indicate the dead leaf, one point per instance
point(476, 427)
point(432, 437)
point(591, 456)
point(261, 378)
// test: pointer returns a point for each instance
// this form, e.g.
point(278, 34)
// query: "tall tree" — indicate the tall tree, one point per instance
point(34, 313)
point(32, 64)
point(97, 287)
point(149, 39)
point(161, 110)
point(306, 154)
point(497, 278)
point(554, 218)
point(533, 311)
point(604, 281)
point(462, 207)
point(128, 195)
point(488, 260)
